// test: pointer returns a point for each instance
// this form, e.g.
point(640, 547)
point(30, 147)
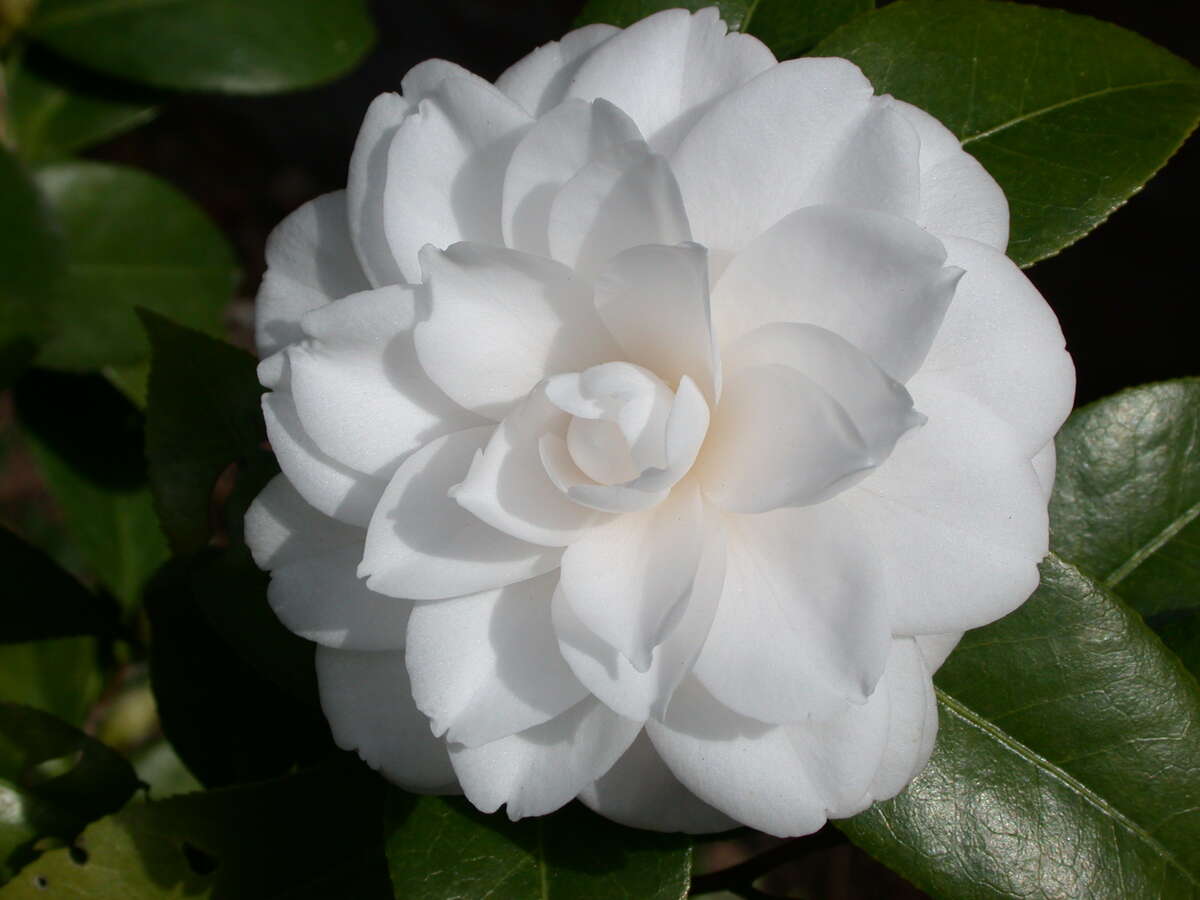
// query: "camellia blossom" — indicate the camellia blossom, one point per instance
point(652, 424)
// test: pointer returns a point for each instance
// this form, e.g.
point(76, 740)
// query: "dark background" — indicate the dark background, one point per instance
point(1124, 294)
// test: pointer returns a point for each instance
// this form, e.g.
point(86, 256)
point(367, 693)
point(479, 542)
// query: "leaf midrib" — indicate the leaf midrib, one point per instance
point(973, 719)
point(1152, 546)
point(1092, 95)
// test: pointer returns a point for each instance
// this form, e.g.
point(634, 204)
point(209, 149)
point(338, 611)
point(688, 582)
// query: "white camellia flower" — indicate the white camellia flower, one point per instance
point(652, 424)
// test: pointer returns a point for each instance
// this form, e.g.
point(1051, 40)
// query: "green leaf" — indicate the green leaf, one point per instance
point(1070, 115)
point(1181, 633)
point(236, 46)
point(1126, 505)
point(786, 26)
point(312, 835)
point(439, 849)
point(30, 255)
point(132, 241)
point(55, 111)
point(43, 600)
point(88, 442)
point(203, 413)
point(62, 677)
point(54, 780)
point(1065, 765)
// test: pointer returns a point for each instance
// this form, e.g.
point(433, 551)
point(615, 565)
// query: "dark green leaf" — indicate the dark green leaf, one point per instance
point(55, 110)
point(313, 835)
point(239, 46)
point(1069, 114)
point(53, 781)
point(1126, 505)
point(1066, 765)
point(132, 241)
point(30, 255)
point(439, 849)
point(230, 724)
point(786, 26)
point(88, 439)
point(62, 677)
point(43, 601)
point(203, 413)
point(1181, 633)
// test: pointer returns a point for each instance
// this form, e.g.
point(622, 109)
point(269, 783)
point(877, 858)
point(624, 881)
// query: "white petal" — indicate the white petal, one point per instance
point(500, 321)
point(537, 771)
point(935, 648)
point(336, 490)
point(1045, 463)
point(755, 156)
point(912, 723)
point(802, 625)
point(507, 485)
point(654, 300)
point(875, 280)
point(558, 145)
point(641, 792)
point(423, 545)
point(539, 81)
point(625, 197)
point(359, 389)
point(958, 196)
point(880, 408)
point(611, 677)
point(1001, 344)
point(310, 261)
point(777, 440)
point(745, 769)
point(487, 665)
point(628, 580)
point(961, 514)
point(668, 68)
point(445, 169)
point(281, 528)
point(366, 698)
point(365, 183)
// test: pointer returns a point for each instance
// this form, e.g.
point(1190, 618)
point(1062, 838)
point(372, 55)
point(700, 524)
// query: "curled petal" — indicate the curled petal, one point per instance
point(310, 261)
point(912, 720)
point(361, 394)
point(876, 280)
point(668, 68)
point(536, 771)
point(445, 169)
point(368, 170)
point(422, 545)
point(640, 791)
point(369, 705)
point(558, 145)
point(500, 321)
point(539, 81)
point(625, 197)
point(487, 665)
point(778, 440)
point(802, 628)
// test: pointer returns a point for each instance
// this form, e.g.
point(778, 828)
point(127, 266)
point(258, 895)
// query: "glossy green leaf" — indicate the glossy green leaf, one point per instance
point(203, 413)
point(238, 46)
point(88, 442)
point(55, 111)
point(233, 724)
point(314, 835)
point(1069, 114)
point(440, 849)
point(132, 241)
point(53, 781)
point(786, 26)
point(62, 677)
point(1126, 503)
point(42, 600)
point(30, 255)
point(1066, 764)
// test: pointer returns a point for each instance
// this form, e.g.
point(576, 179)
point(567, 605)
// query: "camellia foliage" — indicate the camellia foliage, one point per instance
point(161, 731)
